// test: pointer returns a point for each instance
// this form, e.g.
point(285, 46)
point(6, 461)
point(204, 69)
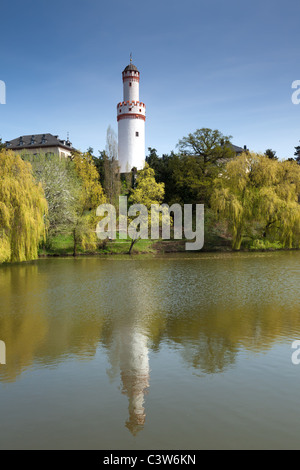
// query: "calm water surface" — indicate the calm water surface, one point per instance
point(178, 352)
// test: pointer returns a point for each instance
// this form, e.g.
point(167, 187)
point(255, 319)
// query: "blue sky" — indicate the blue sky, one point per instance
point(223, 65)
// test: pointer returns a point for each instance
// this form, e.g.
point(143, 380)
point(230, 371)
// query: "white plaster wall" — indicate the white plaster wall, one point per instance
point(131, 93)
point(131, 149)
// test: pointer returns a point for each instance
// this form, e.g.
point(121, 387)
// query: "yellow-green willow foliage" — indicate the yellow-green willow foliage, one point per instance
point(90, 196)
point(92, 193)
point(22, 209)
point(147, 190)
point(256, 190)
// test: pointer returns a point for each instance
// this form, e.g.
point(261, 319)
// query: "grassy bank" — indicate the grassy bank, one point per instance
point(62, 245)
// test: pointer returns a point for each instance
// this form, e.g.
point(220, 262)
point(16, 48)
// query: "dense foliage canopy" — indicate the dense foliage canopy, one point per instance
point(23, 208)
point(254, 189)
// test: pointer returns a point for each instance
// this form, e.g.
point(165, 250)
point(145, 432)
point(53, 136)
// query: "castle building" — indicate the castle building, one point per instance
point(46, 144)
point(131, 116)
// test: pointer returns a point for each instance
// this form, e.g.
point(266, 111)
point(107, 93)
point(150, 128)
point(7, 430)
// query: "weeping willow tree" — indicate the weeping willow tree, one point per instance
point(278, 205)
point(232, 197)
point(89, 196)
point(92, 193)
point(22, 210)
point(254, 189)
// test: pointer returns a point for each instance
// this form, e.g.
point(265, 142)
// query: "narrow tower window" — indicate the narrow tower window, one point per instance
point(136, 134)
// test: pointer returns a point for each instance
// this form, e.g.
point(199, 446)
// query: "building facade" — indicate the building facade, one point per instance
point(46, 144)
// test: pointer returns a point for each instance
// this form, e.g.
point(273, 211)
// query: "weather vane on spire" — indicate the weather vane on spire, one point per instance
point(131, 57)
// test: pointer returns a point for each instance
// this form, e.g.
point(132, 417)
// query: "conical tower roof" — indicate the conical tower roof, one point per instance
point(130, 67)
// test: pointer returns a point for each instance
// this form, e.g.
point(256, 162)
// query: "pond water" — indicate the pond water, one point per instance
point(183, 351)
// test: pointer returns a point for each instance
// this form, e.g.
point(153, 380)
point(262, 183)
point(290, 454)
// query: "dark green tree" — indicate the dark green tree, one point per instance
point(297, 154)
point(210, 147)
point(207, 150)
point(271, 154)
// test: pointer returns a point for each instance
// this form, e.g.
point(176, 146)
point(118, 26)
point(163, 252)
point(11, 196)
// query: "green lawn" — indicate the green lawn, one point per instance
point(63, 245)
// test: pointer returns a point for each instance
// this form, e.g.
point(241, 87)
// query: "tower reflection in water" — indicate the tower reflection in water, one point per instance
point(134, 365)
point(134, 324)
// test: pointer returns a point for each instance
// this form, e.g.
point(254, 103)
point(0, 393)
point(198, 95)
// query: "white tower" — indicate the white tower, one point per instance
point(131, 116)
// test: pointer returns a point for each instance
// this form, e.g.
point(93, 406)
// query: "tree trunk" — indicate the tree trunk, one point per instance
point(131, 245)
point(74, 243)
point(237, 242)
